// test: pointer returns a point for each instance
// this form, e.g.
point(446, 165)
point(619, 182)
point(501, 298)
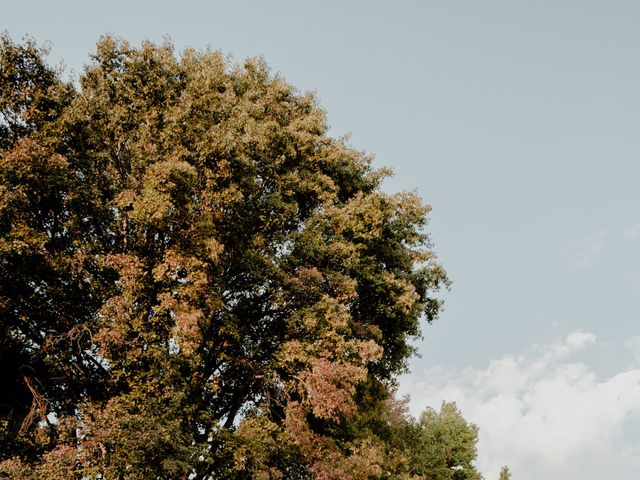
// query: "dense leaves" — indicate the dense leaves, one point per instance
point(198, 282)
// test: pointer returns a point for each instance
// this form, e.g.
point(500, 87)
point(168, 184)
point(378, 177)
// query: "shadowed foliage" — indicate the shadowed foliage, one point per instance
point(199, 282)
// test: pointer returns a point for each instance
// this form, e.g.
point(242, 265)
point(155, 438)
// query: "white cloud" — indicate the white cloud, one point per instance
point(575, 342)
point(632, 231)
point(633, 344)
point(543, 413)
point(588, 248)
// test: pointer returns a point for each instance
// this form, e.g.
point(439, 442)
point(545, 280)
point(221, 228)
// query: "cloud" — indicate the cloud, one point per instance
point(632, 231)
point(574, 343)
point(543, 413)
point(588, 248)
point(633, 344)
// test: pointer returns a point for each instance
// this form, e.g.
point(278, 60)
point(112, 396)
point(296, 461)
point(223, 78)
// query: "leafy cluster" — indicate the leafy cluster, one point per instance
point(198, 282)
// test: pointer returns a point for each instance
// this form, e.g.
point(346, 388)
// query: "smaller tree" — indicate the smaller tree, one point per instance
point(446, 445)
point(505, 474)
point(439, 445)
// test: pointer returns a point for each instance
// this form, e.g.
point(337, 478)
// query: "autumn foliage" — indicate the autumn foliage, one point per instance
point(198, 282)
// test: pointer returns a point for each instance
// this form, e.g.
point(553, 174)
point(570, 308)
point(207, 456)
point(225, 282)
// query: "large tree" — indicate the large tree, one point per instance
point(197, 281)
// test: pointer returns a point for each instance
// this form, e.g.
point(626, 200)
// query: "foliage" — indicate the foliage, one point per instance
point(439, 445)
point(505, 474)
point(199, 282)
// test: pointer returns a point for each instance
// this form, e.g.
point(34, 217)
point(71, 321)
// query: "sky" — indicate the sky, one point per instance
point(518, 123)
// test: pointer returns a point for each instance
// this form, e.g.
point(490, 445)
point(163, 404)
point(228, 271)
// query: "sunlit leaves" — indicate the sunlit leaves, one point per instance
point(195, 276)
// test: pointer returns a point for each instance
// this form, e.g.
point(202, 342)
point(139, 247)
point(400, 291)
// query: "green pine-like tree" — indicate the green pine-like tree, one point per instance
point(505, 474)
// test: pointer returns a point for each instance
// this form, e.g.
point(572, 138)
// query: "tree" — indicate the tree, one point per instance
point(446, 445)
point(197, 281)
point(439, 445)
point(505, 474)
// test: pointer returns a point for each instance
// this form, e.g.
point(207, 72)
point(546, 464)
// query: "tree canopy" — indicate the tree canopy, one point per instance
point(197, 281)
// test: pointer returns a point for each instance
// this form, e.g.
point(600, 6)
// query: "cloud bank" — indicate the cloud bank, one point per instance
point(543, 413)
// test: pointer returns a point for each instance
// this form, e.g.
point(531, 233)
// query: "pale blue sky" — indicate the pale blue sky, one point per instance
point(518, 121)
